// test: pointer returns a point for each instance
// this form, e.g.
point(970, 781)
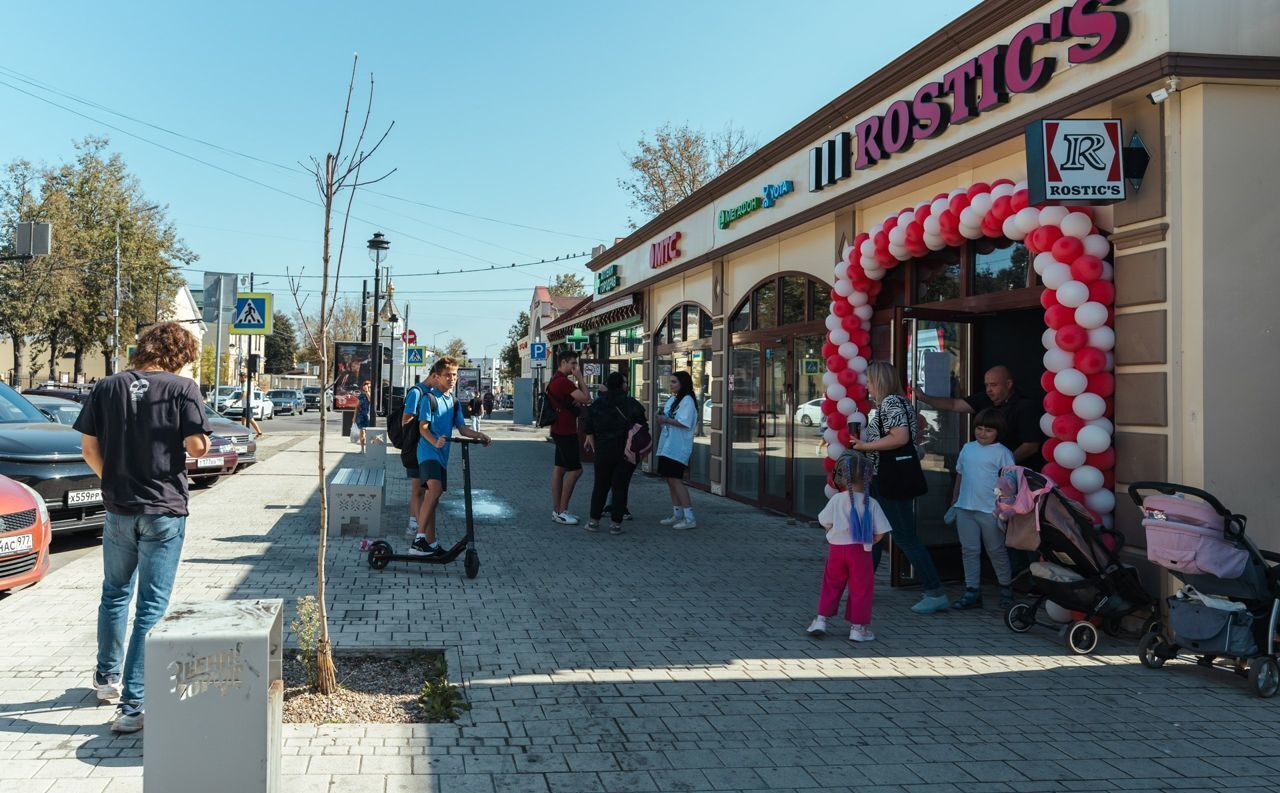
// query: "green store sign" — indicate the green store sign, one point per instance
point(772, 192)
point(608, 279)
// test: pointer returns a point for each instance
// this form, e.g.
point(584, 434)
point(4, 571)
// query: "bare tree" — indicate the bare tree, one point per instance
point(339, 172)
point(676, 161)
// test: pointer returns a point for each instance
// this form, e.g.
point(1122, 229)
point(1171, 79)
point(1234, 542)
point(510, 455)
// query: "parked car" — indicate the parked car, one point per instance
point(74, 393)
point(261, 407)
point(24, 535)
point(63, 411)
point(246, 448)
point(220, 460)
point(810, 412)
point(46, 456)
point(312, 396)
point(287, 400)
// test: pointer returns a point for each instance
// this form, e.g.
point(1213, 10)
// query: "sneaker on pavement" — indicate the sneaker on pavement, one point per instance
point(626, 514)
point(931, 603)
point(107, 687)
point(615, 528)
point(421, 547)
point(127, 718)
point(861, 633)
point(565, 518)
point(971, 599)
point(818, 627)
point(686, 524)
point(593, 526)
point(673, 520)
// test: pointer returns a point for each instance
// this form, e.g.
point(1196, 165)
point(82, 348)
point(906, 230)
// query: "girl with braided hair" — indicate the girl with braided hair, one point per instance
point(854, 523)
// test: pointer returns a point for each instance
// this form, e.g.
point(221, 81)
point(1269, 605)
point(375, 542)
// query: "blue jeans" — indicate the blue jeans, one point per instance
point(902, 518)
point(148, 547)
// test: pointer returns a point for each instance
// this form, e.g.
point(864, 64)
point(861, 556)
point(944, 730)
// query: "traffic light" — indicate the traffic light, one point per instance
point(254, 361)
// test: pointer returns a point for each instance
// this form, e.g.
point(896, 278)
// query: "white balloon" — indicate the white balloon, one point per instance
point(830, 436)
point(981, 203)
point(847, 406)
point(1089, 315)
point(836, 392)
point(858, 364)
point(845, 251)
point(1110, 365)
point(1056, 360)
point(874, 273)
point(862, 378)
point(869, 263)
point(864, 312)
point(1055, 275)
point(1011, 228)
point(1108, 522)
point(1089, 406)
point(844, 287)
point(829, 491)
point(970, 232)
point(858, 298)
point(1068, 455)
point(1108, 272)
point(833, 322)
point(934, 242)
point(835, 449)
point(897, 237)
point(842, 270)
point(905, 218)
point(1042, 261)
point(848, 349)
point(957, 191)
point(939, 206)
point(1052, 216)
point(1103, 424)
point(829, 378)
point(1028, 219)
point(867, 248)
point(1001, 190)
point(1076, 224)
point(931, 225)
point(1020, 185)
point(1087, 479)
point(1096, 245)
point(1046, 425)
point(1093, 440)
point(1103, 338)
point(899, 252)
point(970, 217)
point(856, 417)
point(1070, 382)
point(839, 336)
point(1071, 294)
point(1101, 501)
point(1049, 339)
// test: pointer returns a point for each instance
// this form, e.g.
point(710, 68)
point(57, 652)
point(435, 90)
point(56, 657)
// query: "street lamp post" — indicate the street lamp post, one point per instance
point(379, 247)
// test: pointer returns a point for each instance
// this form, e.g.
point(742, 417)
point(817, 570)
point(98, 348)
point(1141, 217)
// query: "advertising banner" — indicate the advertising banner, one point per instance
point(352, 366)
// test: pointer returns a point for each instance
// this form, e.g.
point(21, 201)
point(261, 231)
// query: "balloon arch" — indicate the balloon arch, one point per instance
point(1071, 258)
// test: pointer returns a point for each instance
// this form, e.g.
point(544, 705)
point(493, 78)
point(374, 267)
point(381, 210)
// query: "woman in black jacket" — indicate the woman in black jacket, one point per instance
point(609, 422)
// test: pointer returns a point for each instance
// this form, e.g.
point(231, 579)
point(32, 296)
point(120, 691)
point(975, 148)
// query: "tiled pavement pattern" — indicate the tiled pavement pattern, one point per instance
point(653, 661)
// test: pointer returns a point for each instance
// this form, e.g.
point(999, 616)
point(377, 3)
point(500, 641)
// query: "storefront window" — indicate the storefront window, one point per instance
point(809, 449)
point(691, 325)
point(817, 303)
point(625, 342)
point(998, 266)
point(742, 320)
point(766, 300)
point(675, 326)
point(793, 300)
point(938, 276)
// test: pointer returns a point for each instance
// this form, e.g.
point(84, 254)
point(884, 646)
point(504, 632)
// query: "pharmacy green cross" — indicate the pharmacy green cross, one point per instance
point(578, 339)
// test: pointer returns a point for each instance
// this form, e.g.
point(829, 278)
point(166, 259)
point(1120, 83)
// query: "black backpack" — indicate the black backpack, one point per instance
point(397, 431)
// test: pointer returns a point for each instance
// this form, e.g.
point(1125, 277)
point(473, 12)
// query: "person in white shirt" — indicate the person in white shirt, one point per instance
point(974, 498)
point(675, 445)
point(854, 523)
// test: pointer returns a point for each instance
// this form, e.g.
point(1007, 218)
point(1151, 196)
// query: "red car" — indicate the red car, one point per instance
point(24, 535)
point(219, 460)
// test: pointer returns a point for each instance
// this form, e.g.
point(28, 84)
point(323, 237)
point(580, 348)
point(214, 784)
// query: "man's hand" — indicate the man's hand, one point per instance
point(589, 443)
point(438, 441)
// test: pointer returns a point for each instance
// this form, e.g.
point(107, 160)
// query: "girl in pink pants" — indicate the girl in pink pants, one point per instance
point(854, 523)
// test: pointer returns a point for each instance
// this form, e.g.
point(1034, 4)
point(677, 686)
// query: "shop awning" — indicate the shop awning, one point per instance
point(589, 316)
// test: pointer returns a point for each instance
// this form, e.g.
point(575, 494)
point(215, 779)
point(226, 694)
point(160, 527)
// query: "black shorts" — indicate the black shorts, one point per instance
point(431, 469)
point(413, 473)
point(670, 469)
point(567, 455)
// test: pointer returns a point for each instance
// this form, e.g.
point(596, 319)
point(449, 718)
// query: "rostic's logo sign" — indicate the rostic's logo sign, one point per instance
point(979, 84)
point(772, 192)
point(665, 251)
point(1075, 161)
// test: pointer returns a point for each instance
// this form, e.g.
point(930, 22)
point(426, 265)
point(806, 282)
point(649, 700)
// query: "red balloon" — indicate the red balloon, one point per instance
point(1046, 451)
point(862, 284)
point(1048, 298)
point(829, 406)
point(844, 437)
point(999, 182)
point(857, 392)
point(837, 421)
point(1059, 316)
point(837, 364)
point(1090, 360)
point(850, 323)
point(948, 221)
point(915, 231)
point(834, 295)
point(1057, 403)
point(1057, 473)
point(917, 250)
point(829, 349)
point(841, 308)
point(1111, 408)
point(1103, 292)
point(1071, 493)
point(1046, 381)
point(1067, 249)
point(1046, 237)
point(828, 464)
point(922, 213)
point(1085, 268)
point(847, 378)
point(1103, 384)
point(1071, 337)
point(1067, 426)
point(992, 226)
point(1019, 201)
point(1109, 479)
point(890, 223)
point(957, 204)
point(860, 337)
point(978, 187)
point(953, 238)
point(1103, 461)
point(881, 241)
point(1000, 208)
point(885, 259)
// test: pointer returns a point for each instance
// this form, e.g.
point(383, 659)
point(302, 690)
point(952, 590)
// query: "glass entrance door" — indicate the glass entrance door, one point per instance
point(745, 421)
point(775, 429)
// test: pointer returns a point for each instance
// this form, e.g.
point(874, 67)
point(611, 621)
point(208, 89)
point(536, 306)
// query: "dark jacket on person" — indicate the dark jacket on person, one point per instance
point(610, 417)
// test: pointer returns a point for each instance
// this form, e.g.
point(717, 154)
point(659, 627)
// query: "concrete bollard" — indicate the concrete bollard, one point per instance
point(215, 698)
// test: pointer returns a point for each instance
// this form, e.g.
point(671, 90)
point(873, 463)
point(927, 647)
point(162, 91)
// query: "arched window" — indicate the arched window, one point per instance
point(684, 323)
point(781, 300)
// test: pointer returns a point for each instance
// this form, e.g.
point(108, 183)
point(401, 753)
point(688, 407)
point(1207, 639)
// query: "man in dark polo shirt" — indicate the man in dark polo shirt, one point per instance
point(565, 392)
point(1020, 413)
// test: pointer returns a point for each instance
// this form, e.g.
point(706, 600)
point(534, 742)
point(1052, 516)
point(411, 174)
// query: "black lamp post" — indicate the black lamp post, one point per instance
point(378, 251)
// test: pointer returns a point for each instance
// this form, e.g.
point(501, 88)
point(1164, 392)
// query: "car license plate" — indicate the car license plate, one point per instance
point(79, 497)
point(8, 545)
point(242, 450)
point(209, 462)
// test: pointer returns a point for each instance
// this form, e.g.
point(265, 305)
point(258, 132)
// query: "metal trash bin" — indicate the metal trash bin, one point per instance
point(215, 697)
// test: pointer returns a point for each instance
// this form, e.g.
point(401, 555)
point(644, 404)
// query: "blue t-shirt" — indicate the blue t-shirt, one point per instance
point(442, 421)
point(979, 467)
point(411, 400)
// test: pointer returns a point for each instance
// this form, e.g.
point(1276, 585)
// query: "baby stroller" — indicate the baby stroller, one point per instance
point(1230, 601)
point(1079, 570)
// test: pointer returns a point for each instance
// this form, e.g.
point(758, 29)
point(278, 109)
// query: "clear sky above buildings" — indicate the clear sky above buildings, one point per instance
point(516, 111)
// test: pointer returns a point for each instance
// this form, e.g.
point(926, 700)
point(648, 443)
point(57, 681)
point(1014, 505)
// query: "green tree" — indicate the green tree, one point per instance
point(344, 325)
point(676, 161)
point(511, 365)
point(281, 345)
point(25, 285)
point(457, 348)
point(568, 285)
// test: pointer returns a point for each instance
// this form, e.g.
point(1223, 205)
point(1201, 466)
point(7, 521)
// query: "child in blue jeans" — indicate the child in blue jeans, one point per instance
point(975, 500)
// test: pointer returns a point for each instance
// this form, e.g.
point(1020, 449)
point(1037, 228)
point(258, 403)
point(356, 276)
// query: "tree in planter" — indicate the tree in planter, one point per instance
point(339, 172)
point(281, 345)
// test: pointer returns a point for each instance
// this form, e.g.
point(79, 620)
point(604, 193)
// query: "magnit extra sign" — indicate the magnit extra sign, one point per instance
point(1075, 161)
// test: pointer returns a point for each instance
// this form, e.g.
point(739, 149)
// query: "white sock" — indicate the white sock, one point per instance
point(413, 523)
point(688, 514)
point(420, 535)
point(677, 512)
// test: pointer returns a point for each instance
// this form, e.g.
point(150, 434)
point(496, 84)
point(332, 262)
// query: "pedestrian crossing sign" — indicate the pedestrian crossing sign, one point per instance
point(415, 356)
point(253, 314)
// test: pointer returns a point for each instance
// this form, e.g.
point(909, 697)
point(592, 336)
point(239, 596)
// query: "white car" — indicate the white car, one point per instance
point(810, 412)
point(263, 409)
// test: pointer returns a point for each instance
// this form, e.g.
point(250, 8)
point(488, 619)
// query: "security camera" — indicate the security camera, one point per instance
point(1161, 94)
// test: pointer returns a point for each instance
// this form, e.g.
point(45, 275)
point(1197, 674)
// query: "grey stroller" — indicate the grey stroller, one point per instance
point(1229, 605)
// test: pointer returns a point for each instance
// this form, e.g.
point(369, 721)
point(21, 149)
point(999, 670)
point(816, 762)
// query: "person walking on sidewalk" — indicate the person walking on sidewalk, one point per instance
point(675, 446)
point(609, 422)
point(412, 438)
point(364, 412)
point(439, 413)
point(854, 523)
point(564, 393)
point(138, 427)
point(974, 502)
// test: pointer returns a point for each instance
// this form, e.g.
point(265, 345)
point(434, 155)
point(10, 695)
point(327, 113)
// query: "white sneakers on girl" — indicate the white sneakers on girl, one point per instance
point(861, 633)
point(818, 627)
point(671, 521)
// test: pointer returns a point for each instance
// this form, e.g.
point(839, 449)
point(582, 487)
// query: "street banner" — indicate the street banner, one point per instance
point(352, 365)
point(468, 383)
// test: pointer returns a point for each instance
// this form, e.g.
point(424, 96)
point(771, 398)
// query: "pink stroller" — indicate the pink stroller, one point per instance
point(1230, 603)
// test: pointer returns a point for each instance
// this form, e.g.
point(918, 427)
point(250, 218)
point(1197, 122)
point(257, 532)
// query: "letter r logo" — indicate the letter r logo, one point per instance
point(1084, 151)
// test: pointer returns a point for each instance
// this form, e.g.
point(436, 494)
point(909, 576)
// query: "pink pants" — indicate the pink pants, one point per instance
point(851, 565)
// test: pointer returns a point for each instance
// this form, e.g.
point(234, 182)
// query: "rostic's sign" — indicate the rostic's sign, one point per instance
point(772, 192)
point(665, 251)
point(607, 279)
point(979, 84)
point(1074, 161)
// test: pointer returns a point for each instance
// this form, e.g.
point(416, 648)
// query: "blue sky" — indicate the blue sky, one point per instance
point(517, 111)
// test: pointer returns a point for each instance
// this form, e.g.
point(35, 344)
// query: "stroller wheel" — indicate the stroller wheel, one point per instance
point(1264, 676)
point(1151, 651)
point(1020, 618)
point(1082, 637)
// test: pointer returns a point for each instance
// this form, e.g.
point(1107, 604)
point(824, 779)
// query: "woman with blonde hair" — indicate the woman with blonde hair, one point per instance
point(898, 481)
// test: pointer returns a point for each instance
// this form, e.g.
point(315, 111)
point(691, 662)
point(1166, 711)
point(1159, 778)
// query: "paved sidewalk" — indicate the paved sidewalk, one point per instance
point(652, 661)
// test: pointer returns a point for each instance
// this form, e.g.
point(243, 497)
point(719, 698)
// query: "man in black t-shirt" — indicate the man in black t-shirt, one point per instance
point(1021, 414)
point(137, 429)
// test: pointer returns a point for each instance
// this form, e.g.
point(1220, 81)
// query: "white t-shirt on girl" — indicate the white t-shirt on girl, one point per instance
point(980, 468)
point(835, 518)
point(676, 443)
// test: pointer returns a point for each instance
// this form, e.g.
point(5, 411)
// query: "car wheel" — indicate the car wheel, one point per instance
point(806, 420)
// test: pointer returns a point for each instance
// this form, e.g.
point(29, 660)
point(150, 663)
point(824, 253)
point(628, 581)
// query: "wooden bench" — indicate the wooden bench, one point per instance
point(355, 502)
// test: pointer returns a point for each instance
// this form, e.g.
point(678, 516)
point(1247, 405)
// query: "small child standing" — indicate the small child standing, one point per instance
point(974, 501)
point(854, 523)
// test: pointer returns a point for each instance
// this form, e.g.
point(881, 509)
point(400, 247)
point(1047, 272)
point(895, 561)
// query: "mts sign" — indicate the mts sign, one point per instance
point(664, 251)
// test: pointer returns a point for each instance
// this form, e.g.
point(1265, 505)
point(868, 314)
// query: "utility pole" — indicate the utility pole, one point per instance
point(364, 309)
point(375, 390)
point(115, 310)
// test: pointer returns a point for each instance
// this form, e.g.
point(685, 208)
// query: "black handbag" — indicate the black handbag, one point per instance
point(898, 475)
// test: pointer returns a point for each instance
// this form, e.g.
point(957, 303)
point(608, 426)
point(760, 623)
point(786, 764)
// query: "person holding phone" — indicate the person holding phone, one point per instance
point(566, 392)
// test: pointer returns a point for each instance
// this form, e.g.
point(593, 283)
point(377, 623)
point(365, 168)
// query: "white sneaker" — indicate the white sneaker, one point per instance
point(861, 633)
point(107, 688)
point(671, 521)
point(686, 524)
point(818, 627)
point(565, 518)
point(127, 718)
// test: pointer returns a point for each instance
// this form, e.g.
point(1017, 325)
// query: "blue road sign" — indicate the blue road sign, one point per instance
point(414, 356)
point(538, 351)
point(253, 314)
